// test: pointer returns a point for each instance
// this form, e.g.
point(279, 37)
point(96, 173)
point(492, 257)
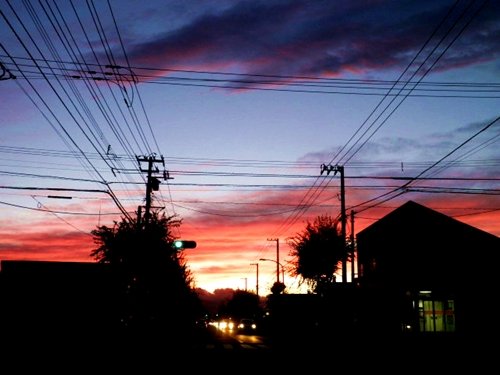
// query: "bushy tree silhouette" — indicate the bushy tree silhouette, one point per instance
point(278, 288)
point(318, 251)
point(243, 304)
point(155, 283)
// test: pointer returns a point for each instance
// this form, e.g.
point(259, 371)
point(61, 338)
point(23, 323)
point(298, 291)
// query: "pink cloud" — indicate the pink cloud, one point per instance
point(318, 38)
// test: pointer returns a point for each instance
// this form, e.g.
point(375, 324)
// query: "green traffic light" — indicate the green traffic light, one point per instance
point(183, 244)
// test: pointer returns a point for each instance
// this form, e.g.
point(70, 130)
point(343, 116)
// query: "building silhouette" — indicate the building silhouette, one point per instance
point(41, 299)
point(421, 274)
point(425, 272)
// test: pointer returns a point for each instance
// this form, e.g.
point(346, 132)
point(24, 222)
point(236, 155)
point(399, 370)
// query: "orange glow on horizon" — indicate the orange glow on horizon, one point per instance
point(226, 245)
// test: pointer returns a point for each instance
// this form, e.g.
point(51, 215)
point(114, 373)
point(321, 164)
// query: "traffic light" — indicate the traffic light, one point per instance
point(183, 244)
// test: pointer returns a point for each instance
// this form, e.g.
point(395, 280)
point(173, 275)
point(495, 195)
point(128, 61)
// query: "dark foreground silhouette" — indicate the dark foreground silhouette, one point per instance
point(202, 349)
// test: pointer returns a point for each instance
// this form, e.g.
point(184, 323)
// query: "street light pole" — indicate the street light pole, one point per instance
point(278, 264)
point(257, 278)
point(277, 258)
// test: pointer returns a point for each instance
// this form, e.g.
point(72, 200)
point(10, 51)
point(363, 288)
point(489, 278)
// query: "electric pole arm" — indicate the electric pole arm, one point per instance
point(343, 219)
point(152, 182)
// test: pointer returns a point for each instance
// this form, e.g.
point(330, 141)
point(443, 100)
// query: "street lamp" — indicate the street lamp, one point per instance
point(277, 263)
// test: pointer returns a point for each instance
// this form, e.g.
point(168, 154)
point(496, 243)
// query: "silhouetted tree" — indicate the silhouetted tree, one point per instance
point(278, 288)
point(318, 252)
point(243, 304)
point(155, 282)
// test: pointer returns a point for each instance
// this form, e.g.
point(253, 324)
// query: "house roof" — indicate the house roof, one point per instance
point(412, 216)
point(415, 246)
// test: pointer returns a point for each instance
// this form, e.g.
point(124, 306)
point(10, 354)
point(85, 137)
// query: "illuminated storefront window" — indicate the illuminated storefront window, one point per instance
point(435, 314)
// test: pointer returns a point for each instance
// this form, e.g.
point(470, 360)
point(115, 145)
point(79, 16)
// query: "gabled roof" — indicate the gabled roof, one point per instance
point(412, 216)
point(415, 246)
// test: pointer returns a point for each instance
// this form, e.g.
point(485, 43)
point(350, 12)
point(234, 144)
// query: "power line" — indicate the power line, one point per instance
point(58, 211)
point(487, 90)
point(401, 190)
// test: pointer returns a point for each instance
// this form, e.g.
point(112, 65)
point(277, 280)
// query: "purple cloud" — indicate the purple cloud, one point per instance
point(322, 37)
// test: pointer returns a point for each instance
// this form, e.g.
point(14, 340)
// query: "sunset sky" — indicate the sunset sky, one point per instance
point(244, 101)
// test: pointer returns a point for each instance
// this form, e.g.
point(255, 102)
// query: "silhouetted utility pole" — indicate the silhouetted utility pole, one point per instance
point(257, 278)
point(277, 258)
point(353, 258)
point(152, 182)
point(343, 218)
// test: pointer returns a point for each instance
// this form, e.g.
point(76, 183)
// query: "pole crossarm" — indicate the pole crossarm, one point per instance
point(152, 182)
point(343, 218)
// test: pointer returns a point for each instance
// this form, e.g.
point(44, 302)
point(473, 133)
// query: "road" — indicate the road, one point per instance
point(212, 351)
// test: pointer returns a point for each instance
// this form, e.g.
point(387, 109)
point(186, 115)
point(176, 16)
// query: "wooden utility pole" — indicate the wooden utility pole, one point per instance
point(257, 278)
point(152, 183)
point(277, 258)
point(343, 218)
point(353, 258)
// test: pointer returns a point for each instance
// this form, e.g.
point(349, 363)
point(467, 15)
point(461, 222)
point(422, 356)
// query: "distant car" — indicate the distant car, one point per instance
point(247, 325)
point(225, 325)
